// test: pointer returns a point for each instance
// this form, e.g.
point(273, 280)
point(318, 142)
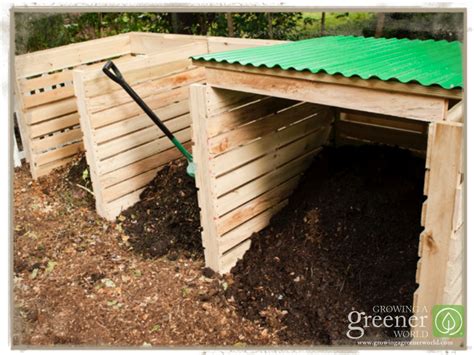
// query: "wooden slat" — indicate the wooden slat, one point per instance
point(48, 80)
point(374, 84)
point(130, 109)
point(237, 157)
point(361, 99)
point(55, 109)
point(61, 138)
point(225, 121)
point(100, 84)
point(48, 96)
point(455, 114)
point(141, 166)
point(114, 208)
point(379, 120)
point(47, 168)
point(244, 134)
point(150, 43)
point(271, 161)
point(228, 260)
point(54, 125)
point(246, 229)
point(148, 134)
point(220, 44)
point(58, 153)
point(256, 206)
point(138, 122)
point(224, 100)
point(141, 152)
point(48, 60)
point(383, 135)
point(266, 182)
point(146, 89)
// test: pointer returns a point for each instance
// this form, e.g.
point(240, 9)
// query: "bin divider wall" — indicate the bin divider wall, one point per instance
point(250, 155)
point(126, 148)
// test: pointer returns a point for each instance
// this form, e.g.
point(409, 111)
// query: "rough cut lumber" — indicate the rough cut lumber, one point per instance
point(443, 160)
point(248, 166)
point(376, 84)
point(356, 98)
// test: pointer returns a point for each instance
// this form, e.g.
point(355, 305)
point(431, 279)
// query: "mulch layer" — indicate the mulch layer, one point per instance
point(348, 240)
point(77, 280)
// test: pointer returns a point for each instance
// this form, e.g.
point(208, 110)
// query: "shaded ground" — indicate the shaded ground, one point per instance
point(78, 281)
point(348, 240)
point(166, 219)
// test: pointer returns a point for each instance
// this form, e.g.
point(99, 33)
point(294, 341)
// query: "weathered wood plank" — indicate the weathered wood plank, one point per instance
point(361, 99)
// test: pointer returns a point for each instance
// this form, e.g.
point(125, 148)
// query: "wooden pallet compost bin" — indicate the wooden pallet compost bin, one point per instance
point(44, 91)
point(248, 164)
point(124, 148)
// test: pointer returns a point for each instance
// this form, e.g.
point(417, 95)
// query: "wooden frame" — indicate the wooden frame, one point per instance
point(47, 107)
point(124, 148)
point(410, 116)
point(250, 152)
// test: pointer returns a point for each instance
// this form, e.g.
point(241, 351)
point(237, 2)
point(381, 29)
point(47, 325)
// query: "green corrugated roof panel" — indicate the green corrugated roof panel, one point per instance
point(427, 62)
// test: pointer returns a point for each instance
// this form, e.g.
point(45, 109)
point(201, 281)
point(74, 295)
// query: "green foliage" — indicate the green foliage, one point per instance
point(36, 31)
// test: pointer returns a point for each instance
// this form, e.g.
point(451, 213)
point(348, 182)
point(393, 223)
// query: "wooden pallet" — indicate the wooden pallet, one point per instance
point(47, 107)
point(250, 152)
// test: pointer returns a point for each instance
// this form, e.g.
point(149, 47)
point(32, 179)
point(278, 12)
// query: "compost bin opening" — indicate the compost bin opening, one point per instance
point(348, 240)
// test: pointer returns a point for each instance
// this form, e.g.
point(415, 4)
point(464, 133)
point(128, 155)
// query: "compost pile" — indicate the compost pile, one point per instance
point(166, 219)
point(347, 241)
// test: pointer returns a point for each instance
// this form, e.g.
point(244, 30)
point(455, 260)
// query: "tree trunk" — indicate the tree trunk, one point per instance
point(230, 24)
point(380, 24)
point(323, 23)
point(174, 22)
point(270, 25)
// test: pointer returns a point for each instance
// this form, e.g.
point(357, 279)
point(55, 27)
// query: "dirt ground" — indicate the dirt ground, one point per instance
point(80, 280)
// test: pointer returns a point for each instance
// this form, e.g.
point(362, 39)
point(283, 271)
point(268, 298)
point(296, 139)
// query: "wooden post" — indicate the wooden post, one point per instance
point(323, 23)
point(437, 250)
point(270, 25)
point(230, 24)
point(380, 24)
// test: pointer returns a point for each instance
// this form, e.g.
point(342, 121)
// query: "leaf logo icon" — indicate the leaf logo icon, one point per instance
point(448, 321)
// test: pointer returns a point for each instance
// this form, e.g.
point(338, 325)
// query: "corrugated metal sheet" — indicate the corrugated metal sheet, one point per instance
point(427, 62)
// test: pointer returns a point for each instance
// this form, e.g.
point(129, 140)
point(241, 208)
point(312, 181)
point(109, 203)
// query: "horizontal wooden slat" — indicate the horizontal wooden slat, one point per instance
point(256, 206)
point(130, 109)
point(48, 80)
point(237, 157)
point(40, 145)
point(140, 137)
point(378, 120)
point(223, 100)
point(99, 84)
point(138, 122)
point(47, 168)
point(383, 135)
point(244, 134)
point(269, 162)
point(360, 99)
point(114, 208)
point(266, 182)
point(146, 89)
point(246, 229)
point(58, 153)
point(54, 125)
point(55, 109)
point(228, 120)
point(48, 60)
point(48, 96)
point(141, 152)
point(141, 166)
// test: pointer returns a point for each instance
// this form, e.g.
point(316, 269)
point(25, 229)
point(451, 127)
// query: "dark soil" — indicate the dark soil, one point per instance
point(347, 241)
point(166, 219)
